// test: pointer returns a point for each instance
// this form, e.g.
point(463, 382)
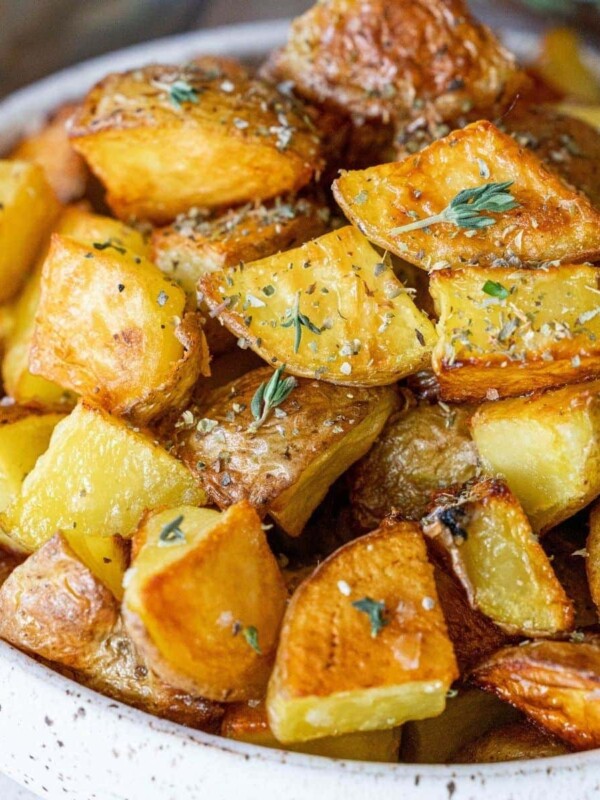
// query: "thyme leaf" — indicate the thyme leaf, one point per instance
point(182, 92)
point(269, 395)
point(299, 321)
point(250, 634)
point(172, 533)
point(495, 289)
point(375, 610)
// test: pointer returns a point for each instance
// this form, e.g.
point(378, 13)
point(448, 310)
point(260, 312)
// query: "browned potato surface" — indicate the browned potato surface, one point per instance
point(515, 741)
point(566, 549)
point(593, 555)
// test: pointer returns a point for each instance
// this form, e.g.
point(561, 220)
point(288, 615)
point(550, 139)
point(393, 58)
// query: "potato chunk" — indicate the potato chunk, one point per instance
point(373, 604)
point(552, 223)
point(97, 477)
point(148, 133)
point(28, 209)
point(249, 723)
point(204, 601)
point(557, 684)
point(331, 309)
point(109, 326)
point(515, 741)
point(547, 447)
point(422, 449)
point(506, 574)
point(54, 607)
point(592, 561)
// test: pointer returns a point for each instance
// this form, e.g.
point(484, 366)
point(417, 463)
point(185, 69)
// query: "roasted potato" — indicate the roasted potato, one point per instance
point(515, 741)
point(552, 221)
point(111, 327)
point(68, 488)
point(54, 607)
point(28, 209)
point(561, 66)
point(398, 59)
point(331, 309)
point(488, 540)
point(505, 332)
point(592, 560)
point(285, 466)
point(65, 170)
point(423, 448)
point(204, 601)
point(146, 133)
point(374, 604)
point(585, 113)
point(566, 549)
point(547, 447)
point(246, 722)
point(556, 684)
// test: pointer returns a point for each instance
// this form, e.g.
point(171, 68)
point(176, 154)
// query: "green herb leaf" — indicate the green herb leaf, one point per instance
point(299, 321)
point(172, 533)
point(495, 289)
point(269, 395)
point(250, 634)
point(109, 243)
point(182, 92)
point(375, 610)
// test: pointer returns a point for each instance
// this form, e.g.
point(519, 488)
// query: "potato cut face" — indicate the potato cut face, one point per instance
point(204, 601)
point(68, 487)
point(506, 332)
point(507, 576)
point(514, 741)
point(147, 132)
point(547, 448)
point(399, 638)
point(112, 328)
point(285, 466)
point(552, 223)
point(556, 684)
point(28, 209)
point(331, 309)
point(250, 724)
point(422, 449)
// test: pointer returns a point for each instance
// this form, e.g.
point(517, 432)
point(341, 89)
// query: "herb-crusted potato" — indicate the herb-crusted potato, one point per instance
point(546, 447)
point(511, 331)
point(285, 466)
point(374, 604)
point(515, 741)
point(552, 222)
point(149, 133)
point(54, 607)
point(111, 327)
point(556, 684)
point(506, 574)
point(331, 309)
point(68, 487)
point(204, 601)
point(28, 209)
point(423, 448)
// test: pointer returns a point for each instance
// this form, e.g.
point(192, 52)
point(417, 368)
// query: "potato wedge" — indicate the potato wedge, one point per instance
point(505, 332)
point(485, 535)
point(546, 447)
point(331, 309)
point(397, 634)
point(374, 58)
point(552, 223)
point(122, 339)
point(147, 132)
point(65, 170)
point(54, 607)
point(556, 684)
point(515, 741)
point(68, 487)
point(204, 601)
point(285, 466)
point(586, 113)
point(249, 723)
point(28, 209)
point(560, 64)
point(422, 449)
point(592, 561)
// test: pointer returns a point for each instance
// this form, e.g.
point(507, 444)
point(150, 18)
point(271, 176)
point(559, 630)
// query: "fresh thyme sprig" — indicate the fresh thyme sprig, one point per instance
point(466, 209)
point(269, 395)
point(299, 321)
point(375, 611)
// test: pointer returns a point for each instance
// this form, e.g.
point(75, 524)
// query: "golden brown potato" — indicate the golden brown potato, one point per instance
point(9, 560)
point(220, 67)
point(112, 328)
point(54, 607)
point(204, 601)
point(566, 549)
point(556, 684)
point(422, 449)
point(331, 309)
point(546, 447)
point(586, 113)
point(515, 741)
point(65, 170)
point(374, 604)
point(147, 132)
point(505, 332)
point(592, 560)
point(561, 66)
point(553, 222)
point(486, 537)
point(377, 58)
point(285, 466)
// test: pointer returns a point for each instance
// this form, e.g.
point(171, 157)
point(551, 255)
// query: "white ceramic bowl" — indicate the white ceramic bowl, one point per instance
point(64, 741)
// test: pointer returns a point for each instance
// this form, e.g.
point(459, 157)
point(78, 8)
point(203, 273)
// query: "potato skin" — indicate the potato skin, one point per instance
point(592, 561)
point(515, 741)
